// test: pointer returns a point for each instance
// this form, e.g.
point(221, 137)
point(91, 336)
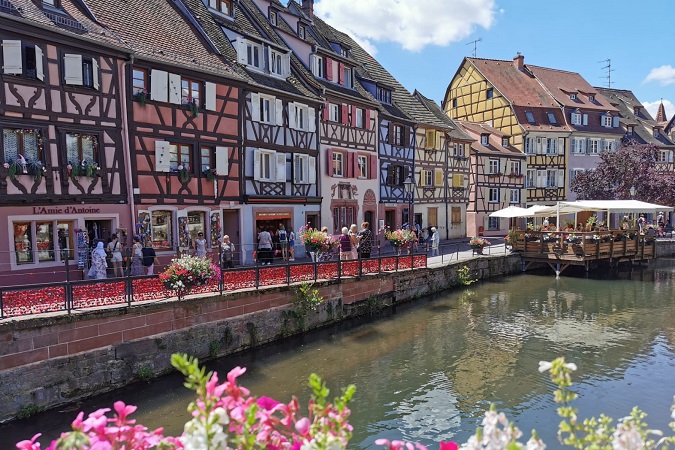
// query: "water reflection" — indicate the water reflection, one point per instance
point(429, 371)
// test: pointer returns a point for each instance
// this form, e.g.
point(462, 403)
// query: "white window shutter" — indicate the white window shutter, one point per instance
point(72, 65)
point(159, 85)
point(256, 164)
point(174, 89)
point(585, 119)
point(296, 168)
point(39, 64)
point(314, 64)
point(94, 72)
point(291, 114)
point(584, 145)
point(255, 107)
point(561, 146)
point(311, 169)
point(615, 121)
point(210, 96)
point(541, 146)
point(222, 160)
point(279, 112)
point(286, 65)
point(503, 195)
point(281, 167)
point(311, 118)
point(561, 178)
point(241, 50)
point(12, 62)
point(162, 156)
point(541, 178)
point(573, 145)
point(487, 166)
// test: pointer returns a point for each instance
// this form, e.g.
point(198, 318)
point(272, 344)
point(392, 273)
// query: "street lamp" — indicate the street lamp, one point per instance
point(409, 185)
point(632, 191)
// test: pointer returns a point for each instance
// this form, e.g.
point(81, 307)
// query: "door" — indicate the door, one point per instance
point(98, 230)
point(390, 218)
point(312, 221)
point(433, 217)
point(368, 217)
point(231, 228)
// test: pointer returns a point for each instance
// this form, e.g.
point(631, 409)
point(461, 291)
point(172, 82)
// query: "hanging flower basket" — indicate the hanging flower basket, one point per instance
point(141, 97)
point(192, 107)
point(183, 174)
point(36, 170)
point(210, 174)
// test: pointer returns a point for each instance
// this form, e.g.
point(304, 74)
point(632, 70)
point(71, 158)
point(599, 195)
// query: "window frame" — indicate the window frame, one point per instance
point(494, 223)
point(270, 101)
point(428, 180)
point(607, 121)
point(594, 146)
point(485, 139)
point(362, 167)
point(271, 155)
point(251, 56)
point(458, 150)
point(576, 119)
point(360, 121)
point(551, 146)
point(530, 145)
point(21, 150)
point(169, 228)
point(180, 148)
point(514, 167)
point(493, 195)
point(531, 178)
point(334, 112)
point(144, 79)
point(211, 158)
point(301, 31)
point(551, 118)
point(219, 6)
point(191, 85)
point(514, 198)
point(273, 17)
point(549, 173)
point(493, 164)
point(489, 93)
point(348, 77)
point(338, 163)
point(277, 62)
point(88, 72)
point(398, 135)
point(79, 136)
point(530, 117)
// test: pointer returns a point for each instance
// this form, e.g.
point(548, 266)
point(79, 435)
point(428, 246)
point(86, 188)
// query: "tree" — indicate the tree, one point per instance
point(632, 165)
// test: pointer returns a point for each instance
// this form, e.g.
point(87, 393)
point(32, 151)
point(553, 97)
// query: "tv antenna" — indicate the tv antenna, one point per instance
point(475, 45)
point(609, 69)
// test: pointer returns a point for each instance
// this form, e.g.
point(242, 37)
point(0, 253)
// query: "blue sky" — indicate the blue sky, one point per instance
point(422, 42)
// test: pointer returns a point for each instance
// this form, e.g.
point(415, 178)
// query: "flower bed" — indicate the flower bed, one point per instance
point(239, 279)
point(26, 302)
point(99, 294)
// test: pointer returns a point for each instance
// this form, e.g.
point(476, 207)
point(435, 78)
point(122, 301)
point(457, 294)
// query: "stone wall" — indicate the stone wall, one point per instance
point(56, 359)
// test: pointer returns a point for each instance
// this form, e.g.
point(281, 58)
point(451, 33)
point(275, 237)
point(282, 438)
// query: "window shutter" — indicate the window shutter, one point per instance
point(390, 133)
point(541, 178)
point(174, 89)
point(615, 121)
point(329, 162)
point(39, 63)
point(255, 107)
point(541, 146)
point(345, 114)
point(373, 172)
point(256, 164)
point(296, 168)
point(313, 64)
point(222, 163)
point(584, 144)
point(281, 167)
point(11, 57)
point(431, 137)
point(355, 165)
point(341, 73)
point(561, 146)
point(487, 166)
point(329, 69)
point(162, 156)
point(279, 112)
point(349, 163)
point(241, 51)
point(72, 65)
point(573, 145)
point(367, 118)
point(159, 85)
point(353, 121)
point(561, 178)
point(438, 177)
point(210, 96)
point(94, 72)
point(292, 110)
point(311, 119)
point(311, 169)
point(326, 112)
point(585, 119)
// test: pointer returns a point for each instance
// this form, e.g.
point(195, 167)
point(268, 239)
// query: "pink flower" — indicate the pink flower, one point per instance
point(302, 426)
point(268, 403)
point(449, 446)
point(29, 445)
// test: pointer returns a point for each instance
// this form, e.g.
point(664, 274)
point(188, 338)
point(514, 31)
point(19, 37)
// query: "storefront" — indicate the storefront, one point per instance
point(171, 229)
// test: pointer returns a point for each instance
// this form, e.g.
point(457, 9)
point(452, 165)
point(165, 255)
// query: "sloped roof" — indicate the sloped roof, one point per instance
point(434, 108)
point(661, 113)
point(475, 130)
point(643, 131)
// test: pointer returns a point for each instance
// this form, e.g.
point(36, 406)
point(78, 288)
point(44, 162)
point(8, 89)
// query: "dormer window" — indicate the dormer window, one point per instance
point(505, 141)
point(656, 132)
point(22, 59)
point(551, 118)
point(636, 110)
point(384, 95)
point(484, 139)
point(591, 98)
point(253, 54)
point(222, 6)
point(52, 3)
point(273, 18)
point(301, 31)
point(607, 121)
point(348, 79)
point(573, 96)
point(529, 116)
point(629, 131)
point(576, 118)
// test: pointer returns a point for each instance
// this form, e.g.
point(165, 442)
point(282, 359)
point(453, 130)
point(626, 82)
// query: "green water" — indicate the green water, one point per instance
point(428, 371)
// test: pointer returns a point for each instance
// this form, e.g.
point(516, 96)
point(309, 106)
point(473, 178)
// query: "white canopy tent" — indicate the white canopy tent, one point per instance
point(510, 212)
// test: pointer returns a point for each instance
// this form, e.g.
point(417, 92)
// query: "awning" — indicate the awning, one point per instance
point(272, 216)
point(510, 212)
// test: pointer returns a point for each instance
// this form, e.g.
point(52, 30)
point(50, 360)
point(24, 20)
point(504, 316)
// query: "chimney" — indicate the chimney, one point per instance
point(518, 61)
point(308, 8)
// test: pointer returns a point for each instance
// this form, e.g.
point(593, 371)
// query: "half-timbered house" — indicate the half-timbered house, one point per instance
point(507, 96)
point(497, 179)
point(349, 118)
point(446, 193)
point(63, 168)
point(183, 125)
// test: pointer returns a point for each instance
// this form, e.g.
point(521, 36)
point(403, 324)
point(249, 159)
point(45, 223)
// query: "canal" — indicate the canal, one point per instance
point(427, 371)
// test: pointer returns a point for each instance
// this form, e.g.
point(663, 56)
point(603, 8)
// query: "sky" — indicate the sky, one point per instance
point(422, 42)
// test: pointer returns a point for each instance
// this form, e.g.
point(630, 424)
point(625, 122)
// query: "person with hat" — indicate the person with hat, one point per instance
point(435, 240)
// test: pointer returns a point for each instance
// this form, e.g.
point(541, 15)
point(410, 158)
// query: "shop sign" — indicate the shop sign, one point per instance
point(66, 210)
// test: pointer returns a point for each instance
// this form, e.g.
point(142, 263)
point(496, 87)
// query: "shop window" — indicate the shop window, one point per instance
point(179, 155)
point(161, 229)
point(81, 148)
point(196, 224)
point(65, 242)
point(23, 243)
point(44, 241)
point(21, 142)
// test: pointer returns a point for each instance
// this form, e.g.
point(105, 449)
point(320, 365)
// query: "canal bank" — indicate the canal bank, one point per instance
point(57, 359)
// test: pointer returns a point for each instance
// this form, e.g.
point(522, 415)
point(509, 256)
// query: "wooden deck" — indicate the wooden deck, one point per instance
point(560, 249)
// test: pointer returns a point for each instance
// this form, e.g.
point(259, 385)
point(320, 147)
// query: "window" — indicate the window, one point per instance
point(254, 55)
point(493, 195)
point(267, 165)
point(529, 116)
point(299, 116)
point(489, 93)
point(656, 132)
point(81, 148)
point(427, 178)
point(161, 229)
point(384, 95)
point(206, 157)
point(398, 135)
point(362, 166)
point(40, 241)
point(23, 242)
point(493, 223)
point(576, 118)
point(24, 142)
point(579, 145)
point(360, 118)
point(301, 31)
point(629, 131)
point(530, 179)
point(264, 109)
point(529, 145)
point(607, 121)
point(273, 17)
point(88, 73)
point(180, 155)
point(343, 217)
point(494, 166)
point(395, 175)
point(665, 156)
point(573, 96)
point(551, 146)
point(594, 146)
point(458, 150)
point(334, 112)
point(276, 65)
point(19, 58)
point(348, 82)
point(515, 167)
point(196, 224)
point(574, 173)
point(52, 3)
point(338, 164)
point(318, 66)
point(223, 6)
point(484, 139)
point(591, 98)
point(139, 82)
point(609, 145)
point(514, 196)
point(189, 91)
point(551, 118)
point(454, 103)
point(551, 178)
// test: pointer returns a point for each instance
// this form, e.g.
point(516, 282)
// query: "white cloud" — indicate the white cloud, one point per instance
point(664, 75)
point(412, 24)
point(653, 107)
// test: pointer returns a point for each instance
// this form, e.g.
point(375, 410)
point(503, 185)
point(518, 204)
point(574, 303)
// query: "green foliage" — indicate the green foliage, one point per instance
point(464, 276)
point(29, 410)
point(214, 348)
point(306, 299)
point(145, 373)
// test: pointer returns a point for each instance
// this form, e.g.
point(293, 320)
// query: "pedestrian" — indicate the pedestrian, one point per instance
point(365, 237)
point(200, 245)
point(265, 247)
point(226, 252)
point(354, 241)
point(435, 241)
point(115, 252)
point(98, 267)
point(291, 245)
point(641, 223)
point(149, 257)
point(345, 245)
point(283, 241)
point(137, 258)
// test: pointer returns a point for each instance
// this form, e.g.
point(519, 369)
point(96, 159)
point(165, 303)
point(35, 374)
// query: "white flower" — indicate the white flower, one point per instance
point(627, 438)
point(544, 366)
point(571, 366)
point(180, 167)
point(535, 444)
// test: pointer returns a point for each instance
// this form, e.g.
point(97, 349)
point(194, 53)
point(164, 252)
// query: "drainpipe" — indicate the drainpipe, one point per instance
point(445, 188)
point(125, 141)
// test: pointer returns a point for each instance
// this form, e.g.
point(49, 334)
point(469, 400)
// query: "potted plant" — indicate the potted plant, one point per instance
point(316, 242)
point(399, 238)
point(183, 173)
point(92, 169)
point(210, 174)
point(478, 243)
point(141, 97)
point(187, 272)
point(192, 106)
point(14, 168)
point(36, 170)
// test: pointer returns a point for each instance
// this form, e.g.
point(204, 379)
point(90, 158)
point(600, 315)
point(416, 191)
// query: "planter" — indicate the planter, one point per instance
point(477, 249)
